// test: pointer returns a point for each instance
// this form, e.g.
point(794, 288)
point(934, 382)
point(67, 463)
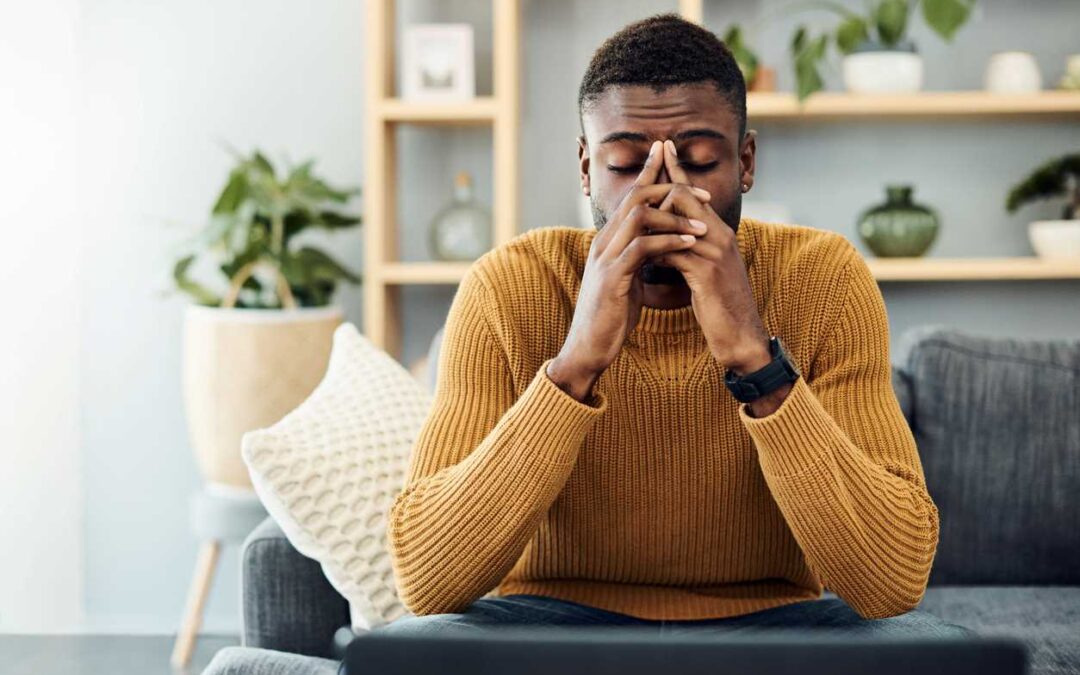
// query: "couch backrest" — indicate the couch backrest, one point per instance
point(997, 422)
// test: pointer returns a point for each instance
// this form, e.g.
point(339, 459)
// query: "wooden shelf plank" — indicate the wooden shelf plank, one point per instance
point(973, 269)
point(883, 269)
point(435, 272)
point(777, 106)
point(481, 110)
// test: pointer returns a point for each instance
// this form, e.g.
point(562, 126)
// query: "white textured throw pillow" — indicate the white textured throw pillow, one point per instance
point(329, 471)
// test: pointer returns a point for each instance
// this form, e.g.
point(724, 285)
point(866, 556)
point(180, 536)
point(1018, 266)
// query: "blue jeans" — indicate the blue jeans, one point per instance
point(826, 613)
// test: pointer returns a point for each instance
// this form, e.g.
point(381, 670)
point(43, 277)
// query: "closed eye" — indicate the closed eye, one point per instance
point(693, 168)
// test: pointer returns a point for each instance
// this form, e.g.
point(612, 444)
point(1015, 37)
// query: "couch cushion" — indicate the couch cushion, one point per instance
point(328, 472)
point(997, 422)
point(1046, 618)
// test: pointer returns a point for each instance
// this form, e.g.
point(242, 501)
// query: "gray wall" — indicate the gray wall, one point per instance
point(164, 82)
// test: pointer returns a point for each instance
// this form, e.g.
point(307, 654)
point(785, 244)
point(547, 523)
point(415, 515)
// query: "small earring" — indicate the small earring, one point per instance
point(745, 187)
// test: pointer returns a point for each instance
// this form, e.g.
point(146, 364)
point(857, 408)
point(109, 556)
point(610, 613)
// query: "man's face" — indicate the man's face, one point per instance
point(622, 125)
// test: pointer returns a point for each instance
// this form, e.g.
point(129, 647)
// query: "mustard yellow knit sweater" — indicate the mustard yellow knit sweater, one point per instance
point(661, 497)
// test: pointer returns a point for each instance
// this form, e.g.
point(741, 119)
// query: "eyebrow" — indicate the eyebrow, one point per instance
point(639, 137)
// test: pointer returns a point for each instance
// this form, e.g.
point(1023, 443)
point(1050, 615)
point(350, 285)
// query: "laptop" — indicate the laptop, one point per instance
point(634, 650)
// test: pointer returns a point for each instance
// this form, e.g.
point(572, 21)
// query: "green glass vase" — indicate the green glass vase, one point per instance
point(899, 227)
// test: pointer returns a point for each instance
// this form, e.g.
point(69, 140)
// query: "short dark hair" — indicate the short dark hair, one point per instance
point(662, 51)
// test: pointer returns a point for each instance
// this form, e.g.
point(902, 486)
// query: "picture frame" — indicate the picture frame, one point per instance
point(438, 62)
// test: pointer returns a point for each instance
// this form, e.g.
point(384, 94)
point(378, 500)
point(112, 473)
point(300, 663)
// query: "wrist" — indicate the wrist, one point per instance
point(573, 378)
point(751, 358)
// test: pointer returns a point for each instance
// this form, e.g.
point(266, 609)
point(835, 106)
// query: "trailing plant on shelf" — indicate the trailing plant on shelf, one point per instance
point(745, 57)
point(883, 27)
point(1057, 178)
point(252, 229)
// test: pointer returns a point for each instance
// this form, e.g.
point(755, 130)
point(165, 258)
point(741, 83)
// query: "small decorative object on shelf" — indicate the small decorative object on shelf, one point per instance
point(1057, 178)
point(1070, 81)
point(438, 63)
point(462, 230)
point(899, 227)
point(877, 56)
point(1012, 73)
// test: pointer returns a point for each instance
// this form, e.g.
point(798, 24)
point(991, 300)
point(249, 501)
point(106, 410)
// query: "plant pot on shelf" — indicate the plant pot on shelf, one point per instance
point(245, 369)
point(874, 68)
point(899, 227)
point(1055, 238)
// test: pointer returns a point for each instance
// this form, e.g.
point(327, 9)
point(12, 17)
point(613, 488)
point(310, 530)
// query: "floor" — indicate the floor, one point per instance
point(102, 654)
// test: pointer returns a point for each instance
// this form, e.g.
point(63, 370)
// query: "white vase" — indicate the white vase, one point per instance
point(1012, 73)
point(245, 369)
point(883, 72)
point(1055, 238)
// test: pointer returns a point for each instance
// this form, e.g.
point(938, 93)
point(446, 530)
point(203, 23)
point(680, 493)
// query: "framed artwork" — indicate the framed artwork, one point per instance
point(438, 62)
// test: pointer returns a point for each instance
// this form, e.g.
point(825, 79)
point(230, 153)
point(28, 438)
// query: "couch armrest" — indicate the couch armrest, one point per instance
point(288, 604)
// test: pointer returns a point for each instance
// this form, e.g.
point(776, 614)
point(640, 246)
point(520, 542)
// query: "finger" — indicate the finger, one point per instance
point(671, 161)
point(651, 246)
point(653, 162)
point(687, 201)
point(644, 220)
point(635, 196)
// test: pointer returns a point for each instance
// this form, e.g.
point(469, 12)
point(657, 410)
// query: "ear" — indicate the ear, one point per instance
point(748, 159)
point(583, 164)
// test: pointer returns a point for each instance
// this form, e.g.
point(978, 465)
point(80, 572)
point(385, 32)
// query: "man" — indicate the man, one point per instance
point(597, 452)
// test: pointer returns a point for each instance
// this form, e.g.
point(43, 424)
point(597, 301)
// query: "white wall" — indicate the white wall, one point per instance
point(165, 84)
point(41, 529)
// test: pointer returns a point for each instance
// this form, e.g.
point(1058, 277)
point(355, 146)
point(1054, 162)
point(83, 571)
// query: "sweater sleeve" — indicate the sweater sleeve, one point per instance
point(842, 465)
point(485, 468)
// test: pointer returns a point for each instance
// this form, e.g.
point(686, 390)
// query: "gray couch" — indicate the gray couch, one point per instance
point(997, 422)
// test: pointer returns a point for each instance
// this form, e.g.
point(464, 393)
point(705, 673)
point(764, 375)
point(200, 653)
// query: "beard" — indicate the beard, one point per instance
point(664, 275)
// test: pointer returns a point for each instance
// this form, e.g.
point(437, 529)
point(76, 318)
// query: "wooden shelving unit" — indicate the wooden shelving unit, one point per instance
point(383, 274)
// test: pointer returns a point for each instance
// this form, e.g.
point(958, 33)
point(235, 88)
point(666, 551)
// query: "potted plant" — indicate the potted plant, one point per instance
point(757, 76)
point(877, 56)
point(256, 347)
point(1057, 178)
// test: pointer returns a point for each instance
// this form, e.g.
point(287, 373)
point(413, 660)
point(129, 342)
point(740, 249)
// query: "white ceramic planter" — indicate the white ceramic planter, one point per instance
point(1012, 73)
point(245, 369)
point(1055, 238)
point(883, 72)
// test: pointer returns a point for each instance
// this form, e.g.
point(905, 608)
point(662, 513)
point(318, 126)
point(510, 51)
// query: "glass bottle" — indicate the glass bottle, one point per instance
point(462, 230)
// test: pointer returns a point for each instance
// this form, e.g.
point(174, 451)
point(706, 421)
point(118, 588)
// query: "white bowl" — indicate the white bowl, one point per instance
point(1055, 238)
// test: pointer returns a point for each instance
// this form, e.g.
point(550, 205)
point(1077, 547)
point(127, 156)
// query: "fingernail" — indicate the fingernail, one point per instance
point(697, 224)
point(688, 237)
point(652, 148)
point(671, 146)
point(702, 192)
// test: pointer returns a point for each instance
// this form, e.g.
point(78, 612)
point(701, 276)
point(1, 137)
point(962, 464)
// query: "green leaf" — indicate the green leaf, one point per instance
point(806, 55)
point(236, 190)
point(197, 291)
point(851, 33)
point(332, 220)
point(1051, 179)
point(891, 17)
point(262, 164)
point(745, 58)
point(946, 16)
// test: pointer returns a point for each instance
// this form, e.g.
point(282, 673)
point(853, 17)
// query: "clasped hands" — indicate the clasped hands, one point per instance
point(723, 302)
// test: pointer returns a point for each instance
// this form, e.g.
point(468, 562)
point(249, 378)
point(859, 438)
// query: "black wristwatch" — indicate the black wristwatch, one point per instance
point(778, 372)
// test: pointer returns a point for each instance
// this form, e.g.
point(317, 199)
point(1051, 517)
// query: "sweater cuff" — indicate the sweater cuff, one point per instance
point(559, 415)
point(794, 437)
